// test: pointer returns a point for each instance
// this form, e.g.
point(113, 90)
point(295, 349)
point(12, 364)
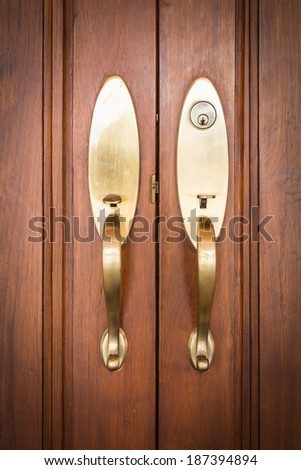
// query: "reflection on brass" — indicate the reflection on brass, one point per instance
point(112, 200)
point(113, 184)
point(111, 264)
point(192, 347)
point(202, 175)
point(201, 344)
point(114, 363)
point(202, 161)
point(114, 155)
point(203, 115)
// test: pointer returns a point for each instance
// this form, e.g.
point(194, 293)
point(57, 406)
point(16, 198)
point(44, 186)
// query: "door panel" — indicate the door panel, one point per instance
point(279, 183)
point(21, 199)
point(55, 390)
point(105, 410)
point(197, 39)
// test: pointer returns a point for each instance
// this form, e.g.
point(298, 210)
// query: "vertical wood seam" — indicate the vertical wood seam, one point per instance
point(47, 247)
point(254, 201)
point(68, 205)
point(246, 430)
point(157, 250)
point(239, 130)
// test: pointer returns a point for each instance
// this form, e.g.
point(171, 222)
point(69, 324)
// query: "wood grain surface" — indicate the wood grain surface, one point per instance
point(54, 189)
point(55, 391)
point(197, 39)
point(105, 410)
point(21, 198)
point(280, 196)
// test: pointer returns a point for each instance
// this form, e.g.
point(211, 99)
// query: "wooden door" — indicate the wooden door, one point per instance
point(55, 390)
point(112, 410)
point(198, 40)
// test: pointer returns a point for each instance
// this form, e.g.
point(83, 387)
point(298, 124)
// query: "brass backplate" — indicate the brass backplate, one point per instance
point(192, 348)
point(123, 348)
point(114, 155)
point(202, 161)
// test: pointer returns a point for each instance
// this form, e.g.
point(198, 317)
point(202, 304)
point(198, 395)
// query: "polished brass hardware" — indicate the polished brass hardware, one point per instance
point(203, 115)
point(202, 174)
point(201, 344)
point(203, 199)
point(112, 200)
point(203, 120)
point(114, 155)
point(113, 184)
point(113, 356)
point(114, 363)
point(202, 161)
point(155, 189)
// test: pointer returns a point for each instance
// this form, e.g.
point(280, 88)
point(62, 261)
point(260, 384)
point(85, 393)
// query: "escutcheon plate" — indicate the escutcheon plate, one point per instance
point(114, 155)
point(202, 161)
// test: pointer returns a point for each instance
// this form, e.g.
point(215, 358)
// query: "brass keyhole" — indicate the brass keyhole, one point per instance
point(203, 115)
point(203, 119)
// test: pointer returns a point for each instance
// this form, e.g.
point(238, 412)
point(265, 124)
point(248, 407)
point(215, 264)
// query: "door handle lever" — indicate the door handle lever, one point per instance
point(114, 161)
point(201, 343)
point(202, 172)
point(114, 342)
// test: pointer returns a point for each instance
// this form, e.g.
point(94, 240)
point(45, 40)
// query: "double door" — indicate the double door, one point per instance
point(56, 392)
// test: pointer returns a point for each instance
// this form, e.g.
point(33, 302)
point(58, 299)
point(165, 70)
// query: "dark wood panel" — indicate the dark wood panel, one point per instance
point(280, 196)
point(196, 411)
point(53, 179)
point(246, 110)
point(252, 197)
point(21, 66)
point(106, 410)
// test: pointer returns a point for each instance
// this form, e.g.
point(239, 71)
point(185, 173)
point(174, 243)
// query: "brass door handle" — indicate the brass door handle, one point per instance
point(202, 172)
point(114, 161)
point(114, 342)
point(201, 343)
